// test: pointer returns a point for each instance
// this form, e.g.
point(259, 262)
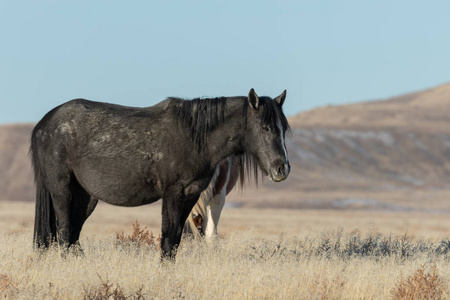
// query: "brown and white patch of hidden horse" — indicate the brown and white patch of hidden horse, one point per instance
point(204, 217)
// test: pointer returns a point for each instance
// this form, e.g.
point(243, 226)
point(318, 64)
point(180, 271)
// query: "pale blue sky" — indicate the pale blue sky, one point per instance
point(140, 52)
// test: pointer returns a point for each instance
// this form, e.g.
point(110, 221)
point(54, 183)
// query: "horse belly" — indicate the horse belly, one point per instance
point(117, 185)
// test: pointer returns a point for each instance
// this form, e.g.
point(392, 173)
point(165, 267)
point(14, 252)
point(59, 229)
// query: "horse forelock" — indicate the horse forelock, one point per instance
point(272, 113)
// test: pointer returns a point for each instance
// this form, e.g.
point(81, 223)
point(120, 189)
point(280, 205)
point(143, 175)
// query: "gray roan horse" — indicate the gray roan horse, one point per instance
point(84, 151)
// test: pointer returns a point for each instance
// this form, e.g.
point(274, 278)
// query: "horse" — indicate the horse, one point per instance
point(84, 151)
point(204, 217)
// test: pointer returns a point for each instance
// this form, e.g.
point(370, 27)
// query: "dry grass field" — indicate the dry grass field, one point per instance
point(365, 216)
point(261, 254)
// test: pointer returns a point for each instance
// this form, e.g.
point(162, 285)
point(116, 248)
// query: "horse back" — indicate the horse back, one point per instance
point(123, 154)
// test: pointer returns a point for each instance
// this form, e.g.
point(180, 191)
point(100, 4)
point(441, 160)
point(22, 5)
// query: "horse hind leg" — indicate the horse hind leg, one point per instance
point(72, 206)
point(61, 199)
point(82, 207)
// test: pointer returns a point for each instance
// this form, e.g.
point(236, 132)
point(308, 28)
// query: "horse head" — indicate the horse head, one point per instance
point(265, 135)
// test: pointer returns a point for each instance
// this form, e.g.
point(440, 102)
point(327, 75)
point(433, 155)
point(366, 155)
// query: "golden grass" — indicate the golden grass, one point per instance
point(310, 260)
point(327, 266)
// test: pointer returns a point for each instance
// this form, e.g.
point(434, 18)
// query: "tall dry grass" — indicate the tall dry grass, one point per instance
point(327, 265)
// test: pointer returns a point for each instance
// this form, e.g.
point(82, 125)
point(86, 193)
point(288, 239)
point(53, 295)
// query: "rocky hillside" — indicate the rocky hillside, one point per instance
point(400, 141)
point(390, 154)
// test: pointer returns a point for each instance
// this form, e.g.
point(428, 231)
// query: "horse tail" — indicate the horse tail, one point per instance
point(45, 221)
point(194, 222)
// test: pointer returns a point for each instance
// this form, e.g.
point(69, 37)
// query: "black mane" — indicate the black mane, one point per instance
point(200, 116)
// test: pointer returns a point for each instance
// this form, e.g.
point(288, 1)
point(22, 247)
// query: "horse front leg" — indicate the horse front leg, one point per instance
point(171, 219)
point(175, 210)
point(213, 211)
point(215, 206)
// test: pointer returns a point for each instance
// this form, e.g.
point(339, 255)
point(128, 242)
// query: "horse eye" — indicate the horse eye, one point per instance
point(266, 128)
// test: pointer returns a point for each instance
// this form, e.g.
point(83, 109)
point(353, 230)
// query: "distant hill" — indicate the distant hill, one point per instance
point(424, 111)
point(392, 154)
point(15, 167)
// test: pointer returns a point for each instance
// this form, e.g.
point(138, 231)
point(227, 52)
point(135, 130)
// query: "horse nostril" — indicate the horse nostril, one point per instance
point(280, 170)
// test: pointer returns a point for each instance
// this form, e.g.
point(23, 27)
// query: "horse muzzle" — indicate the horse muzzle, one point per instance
point(279, 173)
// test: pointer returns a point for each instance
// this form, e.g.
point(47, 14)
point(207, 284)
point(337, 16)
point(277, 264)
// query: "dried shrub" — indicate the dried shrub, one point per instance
point(110, 291)
point(5, 282)
point(420, 285)
point(373, 245)
point(266, 251)
point(7, 286)
point(139, 237)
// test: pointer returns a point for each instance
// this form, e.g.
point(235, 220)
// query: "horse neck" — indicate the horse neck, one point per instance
point(228, 138)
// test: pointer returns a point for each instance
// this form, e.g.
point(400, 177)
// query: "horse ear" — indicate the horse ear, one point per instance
point(280, 99)
point(253, 99)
